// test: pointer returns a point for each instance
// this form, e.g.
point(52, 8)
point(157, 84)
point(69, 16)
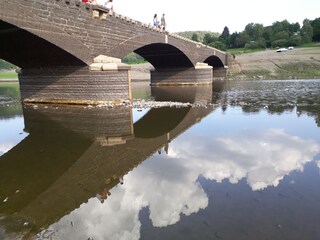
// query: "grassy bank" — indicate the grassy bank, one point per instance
point(8, 75)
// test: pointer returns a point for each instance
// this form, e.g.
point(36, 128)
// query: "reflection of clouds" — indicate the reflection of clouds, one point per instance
point(5, 147)
point(264, 158)
point(168, 185)
point(169, 190)
point(137, 114)
point(166, 188)
point(11, 133)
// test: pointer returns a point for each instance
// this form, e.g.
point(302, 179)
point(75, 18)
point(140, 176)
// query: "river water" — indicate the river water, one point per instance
point(239, 160)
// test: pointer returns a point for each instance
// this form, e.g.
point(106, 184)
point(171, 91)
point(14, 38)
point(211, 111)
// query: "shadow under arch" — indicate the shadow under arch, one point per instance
point(26, 50)
point(214, 61)
point(162, 55)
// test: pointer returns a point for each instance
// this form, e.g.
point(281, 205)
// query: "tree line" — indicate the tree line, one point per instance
point(6, 65)
point(255, 35)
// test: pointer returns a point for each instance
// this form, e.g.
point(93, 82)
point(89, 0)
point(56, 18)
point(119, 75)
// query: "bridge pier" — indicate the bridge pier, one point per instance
point(201, 74)
point(109, 83)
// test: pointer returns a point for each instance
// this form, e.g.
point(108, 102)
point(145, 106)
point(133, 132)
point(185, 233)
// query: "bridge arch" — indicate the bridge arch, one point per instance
point(27, 50)
point(33, 23)
point(214, 61)
point(162, 55)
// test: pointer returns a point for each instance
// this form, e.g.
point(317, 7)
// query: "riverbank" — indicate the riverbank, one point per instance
point(299, 63)
point(8, 76)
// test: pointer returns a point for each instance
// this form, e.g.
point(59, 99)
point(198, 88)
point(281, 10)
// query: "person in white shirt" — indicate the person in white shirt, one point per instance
point(109, 5)
point(101, 2)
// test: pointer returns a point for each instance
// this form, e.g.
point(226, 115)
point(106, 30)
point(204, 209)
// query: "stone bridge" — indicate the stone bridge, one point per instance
point(69, 52)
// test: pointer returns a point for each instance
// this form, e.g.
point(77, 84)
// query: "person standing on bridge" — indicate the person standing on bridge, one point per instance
point(101, 2)
point(155, 21)
point(109, 5)
point(163, 22)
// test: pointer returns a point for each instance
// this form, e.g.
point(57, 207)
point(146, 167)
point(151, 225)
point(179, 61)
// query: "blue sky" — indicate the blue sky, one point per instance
point(212, 15)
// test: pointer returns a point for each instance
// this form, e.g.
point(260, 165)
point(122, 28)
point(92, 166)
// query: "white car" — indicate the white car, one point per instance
point(282, 50)
point(290, 48)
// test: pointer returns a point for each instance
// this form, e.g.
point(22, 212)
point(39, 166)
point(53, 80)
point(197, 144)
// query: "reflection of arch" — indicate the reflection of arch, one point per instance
point(162, 55)
point(159, 121)
point(214, 61)
point(26, 49)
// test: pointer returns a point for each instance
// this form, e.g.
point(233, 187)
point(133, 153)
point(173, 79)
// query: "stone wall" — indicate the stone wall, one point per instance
point(74, 85)
point(188, 76)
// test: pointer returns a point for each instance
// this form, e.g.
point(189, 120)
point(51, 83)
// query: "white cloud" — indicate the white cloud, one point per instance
point(168, 185)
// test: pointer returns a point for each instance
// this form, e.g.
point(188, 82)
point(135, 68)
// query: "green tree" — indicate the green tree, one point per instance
point(306, 31)
point(280, 43)
point(268, 35)
point(281, 35)
point(232, 40)
point(208, 38)
point(225, 37)
point(6, 65)
point(294, 28)
point(277, 27)
point(218, 45)
point(133, 58)
point(254, 31)
point(225, 33)
point(316, 29)
point(242, 39)
point(195, 37)
point(295, 40)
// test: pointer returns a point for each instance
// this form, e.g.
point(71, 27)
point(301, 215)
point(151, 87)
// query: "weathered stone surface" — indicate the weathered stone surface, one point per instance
point(74, 85)
point(189, 76)
point(96, 67)
point(109, 66)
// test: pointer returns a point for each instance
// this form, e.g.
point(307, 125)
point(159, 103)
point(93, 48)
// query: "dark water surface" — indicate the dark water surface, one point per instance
point(244, 164)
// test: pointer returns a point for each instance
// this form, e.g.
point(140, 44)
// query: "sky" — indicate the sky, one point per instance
point(209, 15)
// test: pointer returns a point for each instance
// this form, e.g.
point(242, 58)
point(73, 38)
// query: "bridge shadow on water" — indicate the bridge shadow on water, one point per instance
point(73, 153)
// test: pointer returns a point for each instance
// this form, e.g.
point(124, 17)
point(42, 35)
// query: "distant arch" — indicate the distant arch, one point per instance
point(162, 55)
point(214, 61)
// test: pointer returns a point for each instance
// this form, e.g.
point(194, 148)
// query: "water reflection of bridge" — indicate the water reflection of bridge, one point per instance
point(71, 154)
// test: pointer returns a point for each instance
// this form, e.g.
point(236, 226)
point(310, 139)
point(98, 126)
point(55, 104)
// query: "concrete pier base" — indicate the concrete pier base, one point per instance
point(76, 85)
point(201, 74)
point(220, 73)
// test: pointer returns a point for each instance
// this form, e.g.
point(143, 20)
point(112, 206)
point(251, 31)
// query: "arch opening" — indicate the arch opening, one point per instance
point(214, 61)
point(162, 55)
point(27, 50)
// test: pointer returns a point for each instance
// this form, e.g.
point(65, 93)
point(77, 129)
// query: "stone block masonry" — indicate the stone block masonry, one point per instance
point(74, 85)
